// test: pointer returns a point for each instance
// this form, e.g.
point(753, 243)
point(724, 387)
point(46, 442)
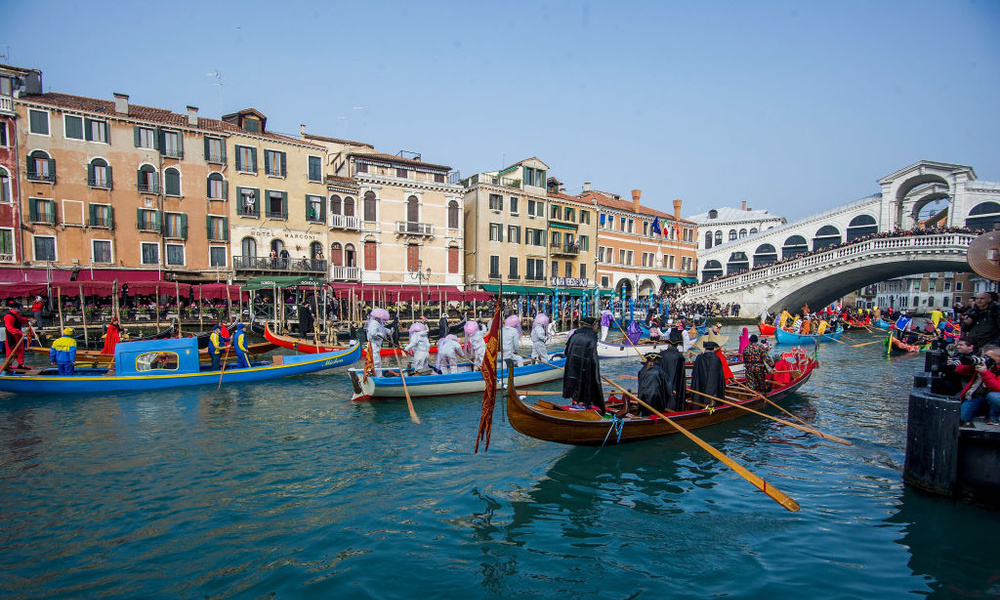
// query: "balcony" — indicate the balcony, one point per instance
point(278, 265)
point(42, 176)
point(7, 105)
point(508, 182)
point(149, 187)
point(564, 249)
point(350, 223)
point(341, 273)
point(414, 228)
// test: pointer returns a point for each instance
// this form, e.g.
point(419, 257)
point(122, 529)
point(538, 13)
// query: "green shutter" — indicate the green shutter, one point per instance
point(239, 163)
point(225, 228)
point(111, 181)
point(208, 187)
point(322, 209)
point(93, 214)
point(208, 152)
point(158, 220)
point(208, 226)
point(222, 143)
point(55, 212)
point(32, 209)
point(135, 135)
point(86, 130)
point(225, 190)
point(52, 169)
point(284, 165)
point(259, 204)
point(266, 205)
point(180, 144)
point(138, 218)
point(31, 168)
point(253, 160)
point(91, 174)
point(159, 140)
point(184, 226)
point(111, 217)
point(284, 205)
point(267, 162)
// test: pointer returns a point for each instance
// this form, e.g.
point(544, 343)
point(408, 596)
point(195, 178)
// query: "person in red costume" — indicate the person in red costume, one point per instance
point(13, 322)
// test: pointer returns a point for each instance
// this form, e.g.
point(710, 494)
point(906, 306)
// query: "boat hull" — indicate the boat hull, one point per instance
point(606, 350)
point(789, 338)
point(766, 329)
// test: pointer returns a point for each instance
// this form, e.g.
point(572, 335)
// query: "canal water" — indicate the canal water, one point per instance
point(290, 490)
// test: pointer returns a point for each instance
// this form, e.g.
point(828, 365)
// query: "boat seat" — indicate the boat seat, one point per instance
point(277, 360)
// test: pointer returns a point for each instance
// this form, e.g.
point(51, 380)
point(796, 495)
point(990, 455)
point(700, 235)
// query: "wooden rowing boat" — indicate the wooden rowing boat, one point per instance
point(94, 358)
point(306, 346)
point(897, 346)
point(783, 336)
point(766, 329)
point(553, 422)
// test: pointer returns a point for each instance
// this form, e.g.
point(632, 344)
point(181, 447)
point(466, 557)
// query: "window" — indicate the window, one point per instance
point(494, 266)
point(556, 239)
point(535, 177)
point(45, 247)
point(247, 199)
point(621, 256)
point(401, 173)
point(584, 243)
point(274, 163)
point(513, 234)
point(246, 159)
point(171, 144)
point(73, 127)
point(569, 269)
point(496, 232)
point(175, 255)
point(150, 253)
point(215, 150)
point(147, 220)
point(315, 168)
point(496, 202)
point(570, 214)
point(718, 237)
point(348, 206)
point(7, 245)
point(535, 269)
point(513, 272)
point(513, 205)
point(145, 137)
point(5, 189)
point(412, 257)
point(555, 268)
point(453, 259)
point(172, 181)
point(217, 187)
point(958, 286)
point(148, 180)
point(315, 209)
point(556, 211)
point(217, 256)
point(628, 258)
point(38, 121)
point(95, 130)
point(732, 234)
point(218, 228)
point(583, 270)
point(453, 214)
point(41, 167)
point(361, 167)
point(585, 216)
point(157, 361)
point(101, 215)
point(531, 207)
point(101, 251)
point(42, 211)
point(370, 207)
point(277, 204)
point(99, 174)
point(175, 226)
point(371, 255)
point(4, 140)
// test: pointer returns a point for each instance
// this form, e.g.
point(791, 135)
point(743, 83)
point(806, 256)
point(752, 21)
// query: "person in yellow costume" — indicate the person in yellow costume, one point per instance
point(936, 316)
point(783, 320)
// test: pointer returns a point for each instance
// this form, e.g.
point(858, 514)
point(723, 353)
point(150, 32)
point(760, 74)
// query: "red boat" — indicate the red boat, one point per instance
point(766, 329)
point(305, 346)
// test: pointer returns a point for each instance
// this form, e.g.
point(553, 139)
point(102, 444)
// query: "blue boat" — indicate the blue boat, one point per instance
point(159, 364)
point(882, 324)
point(789, 338)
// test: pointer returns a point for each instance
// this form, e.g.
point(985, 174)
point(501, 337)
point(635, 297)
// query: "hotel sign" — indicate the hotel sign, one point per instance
point(569, 282)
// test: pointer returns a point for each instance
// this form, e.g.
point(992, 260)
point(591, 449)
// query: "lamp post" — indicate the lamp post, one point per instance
point(420, 276)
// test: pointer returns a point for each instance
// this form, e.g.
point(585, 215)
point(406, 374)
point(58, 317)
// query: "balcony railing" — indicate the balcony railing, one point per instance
point(288, 265)
point(149, 187)
point(341, 273)
point(37, 176)
point(414, 228)
point(508, 182)
point(345, 222)
point(565, 249)
point(6, 104)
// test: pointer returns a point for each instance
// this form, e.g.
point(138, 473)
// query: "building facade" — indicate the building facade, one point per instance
point(14, 82)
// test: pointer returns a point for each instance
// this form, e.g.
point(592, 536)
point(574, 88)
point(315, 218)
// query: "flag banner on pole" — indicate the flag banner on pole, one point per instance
point(369, 364)
point(656, 226)
point(490, 378)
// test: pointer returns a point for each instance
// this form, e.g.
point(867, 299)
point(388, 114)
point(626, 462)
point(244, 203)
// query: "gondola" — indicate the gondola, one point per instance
point(308, 346)
point(564, 424)
point(784, 336)
point(894, 345)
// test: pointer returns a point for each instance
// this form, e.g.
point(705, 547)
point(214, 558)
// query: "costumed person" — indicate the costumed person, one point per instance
point(13, 322)
point(240, 344)
point(377, 333)
point(606, 318)
point(224, 332)
point(36, 309)
point(653, 387)
point(689, 336)
point(582, 374)
point(215, 344)
point(744, 340)
point(539, 336)
point(477, 343)
point(511, 340)
point(112, 336)
point(305, 318)
point(707, 374)
point(757, 364)
point(443, 325)
point(419, 347)
point(449, 351)
point(633, 333)
point(654, 331)
point(783, 319)
point(63, 352)
point(672, 365)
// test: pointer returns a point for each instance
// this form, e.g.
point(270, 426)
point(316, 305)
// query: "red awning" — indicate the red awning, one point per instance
point(437, 293)
point(217, 291)
point(478, 296)
point(17, 290)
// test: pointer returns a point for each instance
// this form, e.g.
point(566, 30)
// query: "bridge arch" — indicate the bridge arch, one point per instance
point(738, 261)
point(765, 255)
point(860, 226)
point(794, 245)
point(827, 235)
point(713, 269)
point(983, 216)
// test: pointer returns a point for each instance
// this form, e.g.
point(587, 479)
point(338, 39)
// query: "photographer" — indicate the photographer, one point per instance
point(981, 322)
point(984, 382)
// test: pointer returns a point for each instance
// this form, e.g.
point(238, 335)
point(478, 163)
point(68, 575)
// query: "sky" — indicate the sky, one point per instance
point(794, 107)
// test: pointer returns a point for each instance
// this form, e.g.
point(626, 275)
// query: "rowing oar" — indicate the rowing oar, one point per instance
point(222, 370)
point(774, 493)
point(805, 428)
point(409, 402)
point(641, 357)
point(867, 343)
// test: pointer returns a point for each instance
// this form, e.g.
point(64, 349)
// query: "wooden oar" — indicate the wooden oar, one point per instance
point(10, 357)
point(867, 343)
point(409, 402)
point(222, 369)
point(774, 493)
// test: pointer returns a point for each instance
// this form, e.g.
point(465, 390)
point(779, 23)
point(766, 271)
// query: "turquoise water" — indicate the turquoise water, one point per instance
point(290, 490)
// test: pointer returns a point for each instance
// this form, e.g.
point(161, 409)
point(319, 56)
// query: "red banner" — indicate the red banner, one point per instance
point(489, 369)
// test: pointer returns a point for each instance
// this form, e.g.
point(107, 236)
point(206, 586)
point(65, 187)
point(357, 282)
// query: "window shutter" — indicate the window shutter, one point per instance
point(55, 212)
point(258, 205)
point(138, 218)
point(184, 226)
point(111, 184)
point(93, 215)
point(33, 210)
point(52, 169)
point(160, 142)
point(208, 187)
point(31, 168)
point(158, 221)
point(208, 152)
point(225, 228)
point(284, 204)
point(155, 181)
point(239, 161)
point(267, 202)
point(111, 217)
point(284, 165)
point(91, 174)
point(225, 190)
point(208, 226)
point(135, 135)
point(180, 144)
point(253, 160)
point(267, 162)
point(87, 135)
point(138, 179)
point(222, 144)
point(322, 210)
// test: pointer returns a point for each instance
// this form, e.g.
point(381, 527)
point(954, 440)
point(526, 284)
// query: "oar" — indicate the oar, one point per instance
point(222, 369)
point(409, 402)
point(774, 493)
point(13, 352)
point(867, 343)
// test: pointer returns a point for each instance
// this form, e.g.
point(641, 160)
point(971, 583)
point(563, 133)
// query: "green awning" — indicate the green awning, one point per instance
point(671, 279)
point(690, 279)
point(562, 226)
point(537, 290)
point(571, 292)
point(508, 290)
point(286, 281)
point(606, 293)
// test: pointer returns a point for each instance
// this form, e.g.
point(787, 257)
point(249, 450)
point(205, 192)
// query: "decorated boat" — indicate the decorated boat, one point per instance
point(606, 350)
point(566, 424)
point(308, 346)
point(766, 329)
point(894, 345)
point(784, 336)
point(159, 364)
point(881, 323)
point(95, 358)
point(466, 381)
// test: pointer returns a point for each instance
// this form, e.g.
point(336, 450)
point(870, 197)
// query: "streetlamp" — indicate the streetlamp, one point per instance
point(420, 276)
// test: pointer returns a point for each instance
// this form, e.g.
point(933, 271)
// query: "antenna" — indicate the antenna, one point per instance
point(217, 74)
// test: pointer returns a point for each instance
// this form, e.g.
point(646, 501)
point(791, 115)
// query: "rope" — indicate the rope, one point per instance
point(617, 424)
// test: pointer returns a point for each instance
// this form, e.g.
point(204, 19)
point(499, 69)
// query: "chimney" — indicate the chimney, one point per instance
point(193, 116)
point(302, 130)
point(635, 200)
point(677, 210)
point(586, 186)
point(121, 103)
point(744, 205)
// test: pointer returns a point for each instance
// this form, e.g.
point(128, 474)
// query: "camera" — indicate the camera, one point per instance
point(973, 360)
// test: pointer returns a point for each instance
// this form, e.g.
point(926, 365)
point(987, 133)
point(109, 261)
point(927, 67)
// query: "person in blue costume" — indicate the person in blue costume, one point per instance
point(63, 352)
point(240, 344)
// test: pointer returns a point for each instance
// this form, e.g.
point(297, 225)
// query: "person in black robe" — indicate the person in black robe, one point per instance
point(707, 375)
point(672, 365)
point(653, 387)
point(443, 325)
point(305, 319)
point(582, 374)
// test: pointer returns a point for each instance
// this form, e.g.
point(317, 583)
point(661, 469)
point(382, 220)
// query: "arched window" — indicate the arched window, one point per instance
point(828, 235)
point(335, 205)
point(412, 209)
point(708, 239)
point(732, 234)
point(172, 182)
point(371, 214)
point(718, 237)
point(753, 231)
point(983, 216)
point(794, 246)
point(348, 206)
point(148, 180)
point(743, 233)
point(713, 269)
point(99, 174)
point(350, 256)
point(277, 246)
point(764, 255)
point(41, 167)
point(5, 190)
point(453, 214)
point(737, 262)
point(860, 226)
point(336, 255)
point(316, 251)
point(248, 249)
point(216, 186)
point(930, 301)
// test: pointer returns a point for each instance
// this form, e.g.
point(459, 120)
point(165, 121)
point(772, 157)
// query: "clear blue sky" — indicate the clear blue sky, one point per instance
point(794, 107)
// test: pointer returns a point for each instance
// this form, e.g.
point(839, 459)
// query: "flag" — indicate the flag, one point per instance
point(656, 226)
point(490, 377)
point(369, 364)
point(604, 218)
point(677, 230)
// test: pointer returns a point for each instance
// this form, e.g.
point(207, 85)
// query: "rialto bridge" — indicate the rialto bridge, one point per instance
point(825, 256)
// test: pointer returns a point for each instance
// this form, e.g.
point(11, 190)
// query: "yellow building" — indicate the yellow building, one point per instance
point(572, 241)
